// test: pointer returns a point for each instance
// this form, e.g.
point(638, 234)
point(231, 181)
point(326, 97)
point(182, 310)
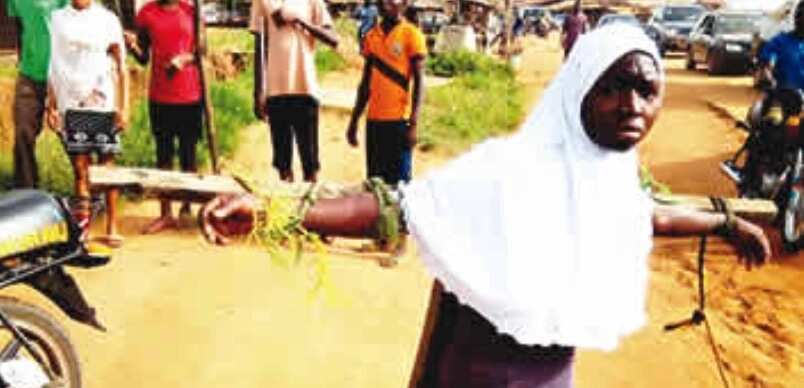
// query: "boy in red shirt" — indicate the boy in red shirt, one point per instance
point(166, 36)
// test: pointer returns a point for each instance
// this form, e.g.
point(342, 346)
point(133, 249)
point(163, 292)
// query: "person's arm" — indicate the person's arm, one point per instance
point(52, 117)
point(139, 45)
point(351, 216)
point(360, 104)
point(259, 69)
point(258, 27)
point(323, 33)
point(417, 67)
point(767, 59)
point(121, 75)
point(749, 239)
point(319, 25)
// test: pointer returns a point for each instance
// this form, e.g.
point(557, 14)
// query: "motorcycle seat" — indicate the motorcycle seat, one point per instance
point(31, 220)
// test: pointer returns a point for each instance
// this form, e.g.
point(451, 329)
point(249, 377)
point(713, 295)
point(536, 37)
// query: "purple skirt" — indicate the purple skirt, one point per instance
point(465, 350)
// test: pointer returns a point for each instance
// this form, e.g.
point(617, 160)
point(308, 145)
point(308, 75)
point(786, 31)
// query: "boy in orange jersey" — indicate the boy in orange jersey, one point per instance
point(394, 52)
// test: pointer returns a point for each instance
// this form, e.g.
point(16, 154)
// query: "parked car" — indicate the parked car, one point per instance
point(610, 18)
point(671, 25)
point(722, 40)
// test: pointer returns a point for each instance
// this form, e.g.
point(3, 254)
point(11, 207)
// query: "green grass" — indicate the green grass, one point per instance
point(232, 105)
point(327, 60)
point(484, 99)
point(8, 71)
point(232, 111)
point(229, 39)
point(241, 40)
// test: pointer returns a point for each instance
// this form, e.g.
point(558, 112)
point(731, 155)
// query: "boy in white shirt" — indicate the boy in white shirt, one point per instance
point(88, 96)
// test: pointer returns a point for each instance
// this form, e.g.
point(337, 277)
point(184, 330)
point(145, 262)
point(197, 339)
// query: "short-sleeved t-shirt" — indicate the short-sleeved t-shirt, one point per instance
point(786, 53)
point(172, 32)
point(81, 69)
point(387, 99)
point(290, 64)
point(34, 16)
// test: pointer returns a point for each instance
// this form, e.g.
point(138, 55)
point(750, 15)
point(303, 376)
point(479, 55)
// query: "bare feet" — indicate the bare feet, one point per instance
point(160, 224)
point(110, 240)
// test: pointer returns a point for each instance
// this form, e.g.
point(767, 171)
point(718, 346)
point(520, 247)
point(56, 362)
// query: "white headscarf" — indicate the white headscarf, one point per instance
point(545, 233)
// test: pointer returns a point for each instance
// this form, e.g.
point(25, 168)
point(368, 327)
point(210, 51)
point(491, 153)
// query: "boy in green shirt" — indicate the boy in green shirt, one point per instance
point(33, 22)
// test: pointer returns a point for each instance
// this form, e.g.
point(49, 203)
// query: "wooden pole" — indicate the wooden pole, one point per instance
point(209, 117)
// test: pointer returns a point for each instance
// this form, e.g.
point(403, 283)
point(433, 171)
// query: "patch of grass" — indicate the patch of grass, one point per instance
point(327, 60)
point(8, 70)
point(231, 101)
point(229, 39)
point(55, 171)
point(484, 99)
point(345, 26)
point(465, 62)
point(232, 104)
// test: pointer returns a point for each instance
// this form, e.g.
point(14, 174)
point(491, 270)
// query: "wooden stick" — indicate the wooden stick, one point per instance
point(196, 187)
point(209, 125)
point(755, 209)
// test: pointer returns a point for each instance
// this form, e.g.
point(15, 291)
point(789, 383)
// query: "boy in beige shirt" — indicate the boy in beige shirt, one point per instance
point(285, 86)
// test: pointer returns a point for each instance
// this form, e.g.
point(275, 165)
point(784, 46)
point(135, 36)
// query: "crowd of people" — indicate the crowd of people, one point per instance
point(567, 180)
point(73, 77)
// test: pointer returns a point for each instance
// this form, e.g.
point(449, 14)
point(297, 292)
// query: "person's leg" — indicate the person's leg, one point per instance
point(373, 149)
point(403, 161)
point(281, 137)
point(305, 127)
point(82, 210)
point(385, 142)
point(29, 105)
point(112, 238)
point(189, 134)
point(161, 127)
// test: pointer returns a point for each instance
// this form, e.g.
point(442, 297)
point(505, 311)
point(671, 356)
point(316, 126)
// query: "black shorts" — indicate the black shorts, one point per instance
point(388, 154)
point(87, 132)
point(171, 122)
point(289, 117)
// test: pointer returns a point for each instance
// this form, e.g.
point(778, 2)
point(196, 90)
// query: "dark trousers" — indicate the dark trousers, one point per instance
point(466, 350)
point(289, 117)
point(170, 122)
point(388, 153)
point(29, 107)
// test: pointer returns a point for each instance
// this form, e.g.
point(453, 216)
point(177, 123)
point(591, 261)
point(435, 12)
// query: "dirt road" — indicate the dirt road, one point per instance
point(184, 314)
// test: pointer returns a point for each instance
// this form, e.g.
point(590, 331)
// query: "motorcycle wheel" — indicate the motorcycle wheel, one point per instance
point(791, 231)
point(47, 338)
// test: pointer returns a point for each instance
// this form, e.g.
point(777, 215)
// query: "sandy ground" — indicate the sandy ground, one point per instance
point(184, 314)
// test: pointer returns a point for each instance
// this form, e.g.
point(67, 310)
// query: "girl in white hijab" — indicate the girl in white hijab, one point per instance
point(541, 239)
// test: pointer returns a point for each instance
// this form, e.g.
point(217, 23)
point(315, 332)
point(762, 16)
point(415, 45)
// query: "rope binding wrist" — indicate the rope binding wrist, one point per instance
point(387, 229)
point(728, 227)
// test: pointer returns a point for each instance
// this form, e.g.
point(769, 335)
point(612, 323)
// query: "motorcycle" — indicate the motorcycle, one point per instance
point(769, 164)
point(39, 237)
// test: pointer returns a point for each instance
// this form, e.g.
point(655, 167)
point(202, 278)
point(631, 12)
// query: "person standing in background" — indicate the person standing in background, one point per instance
point(575, 24)
point(88, 97)
point(166, 36)
point(367, 14)
point(33, 26)
point(394, 53)
point(285, 84)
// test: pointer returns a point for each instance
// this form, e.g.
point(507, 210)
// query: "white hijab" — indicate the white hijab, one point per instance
point(545, 233)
